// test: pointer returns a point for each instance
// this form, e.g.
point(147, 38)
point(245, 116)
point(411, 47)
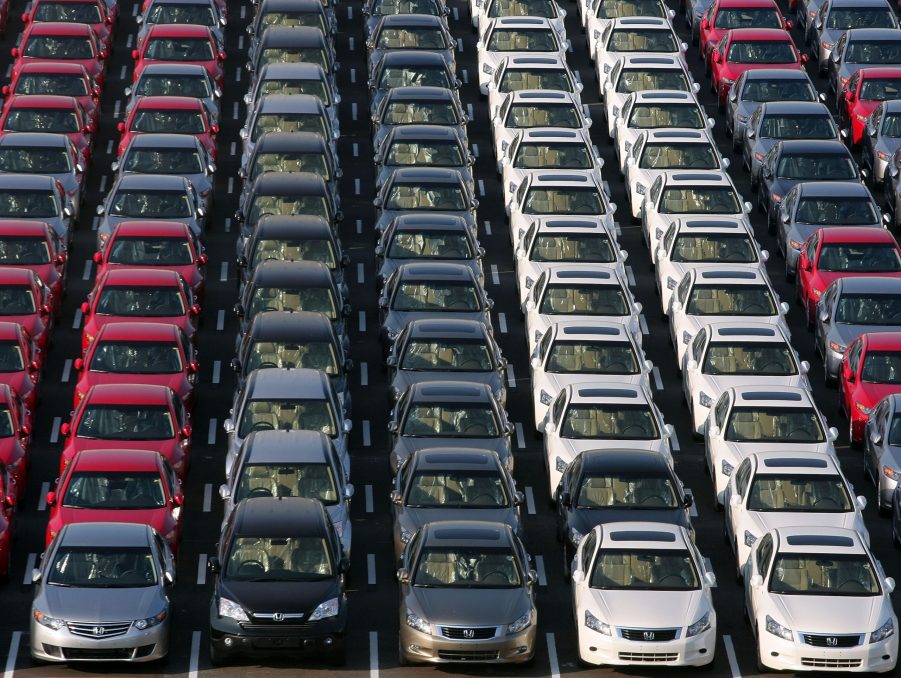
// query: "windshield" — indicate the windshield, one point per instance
point(419, 112)
point(799, 494)
point(410, 37)
point(542, 8)
point(595, 248)
point(653, 116)
point(515, 80)
point(149, 251)
point(195, 86)
point(793, 89)
point(179, 49)
point(16, 301)
point(643, 570)
point(294, 55)
point(881, 367)
point(742, 300)
point(747, 17)
point(863, 258)
point(102, 568)
point(60, 84)
point(458, 490)
point(414, 76)
point(126, 422)
point(602, 300)
point(563, 200)
point(295, 250)
point(6, 422)
point(115, 490)
point(820, 574)
point(761, 52)
point(679, 156)
point(427, 154)
point(289, 162)
point(512, 40)
point(774, 425)
point(168, 120)
point(59, 120)
point(317, 355)
point(145, 204)
point(769, 359)
point(163, 161)
point(639, 80)
point(289, 122)
point(553, 156)
point(429, 245)
point(700, 200)
point(642, 40)
point(836, 211)
point(182, 14)
point(23, 251)
point(315, 87)
point(609, 422)
point(381, 7)
point(447, 356)
point(798, 127)
point(68, 12)
point(880, 89)
point(287, 415)
point(869, 309)
point(312, 18)
point(873, 52)
point(451, 420)
point(62, 47)
point(31, 160)
point(467, 568)
point(262, 205)
point(137, 357)
point(11, 357)
point(521, 116)
point(627, 491)
point(712, 248)
point(313, 481)
point(279, 559)
point(840, 19)
point(140, 301)
point(613, 9)
point(608, 357)
point(436, 297)
point(317, 299)
point(438, 197)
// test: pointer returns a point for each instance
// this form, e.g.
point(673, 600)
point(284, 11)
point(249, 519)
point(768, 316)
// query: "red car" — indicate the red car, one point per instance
point(90, 12)
point(49, 113)
point(223, 6)
point(118, 486)
point(169, 115)
point(7, 516)
point(34, 245)
point(841, 252)
point(20, 367)
point(863, 92)
point(139, 295)
point(139, 353)
point(725, 15)
point(746, 49)
point(154, 244)
point(130, 416)
point(870, 370)
point(184, 43)
point(15, 436)
point(56, 41)
point(63, 79)
point(25, 300)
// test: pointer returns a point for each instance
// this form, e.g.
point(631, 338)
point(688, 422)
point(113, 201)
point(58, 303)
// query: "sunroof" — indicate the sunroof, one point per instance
point(747, 332)
point(772, 395)
point(819, 540)
point(791, 462)
point(642, 535)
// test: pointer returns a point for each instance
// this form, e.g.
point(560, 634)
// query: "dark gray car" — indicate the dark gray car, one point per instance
point(881, 138)
point(408, 68)
point(37, 197)
point(287, 113)
point(418, 106)
point(424, 146)
point(411, 32)
point(285, 44)
point(53, 155)
point(837, 16)
point(374, 10)
point(426, 190)
point(176, 79)
point(882, 449)
point(292, 13)
point(860, 47)
point(295, 78)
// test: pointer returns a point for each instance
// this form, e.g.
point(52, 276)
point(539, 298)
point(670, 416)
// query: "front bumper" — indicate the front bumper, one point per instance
point(597, 648)
point(783, 655)
point(132, 646)
point(506, 649)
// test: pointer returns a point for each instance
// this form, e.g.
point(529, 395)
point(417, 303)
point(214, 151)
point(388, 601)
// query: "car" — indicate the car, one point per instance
point(15, 439)
point(295, 78)
point(817, 598)
point(292, 13)
point(131, 417)
point(861, 96)
point(116, 566)
point(292, 286)
point(207, 13)
point(774, 121)
point(50, 113)
point(600, 13)
point(880, 444)
point(91, 12)
point(537, 72)
point(693, 10)
point(813, 205)
point(21, 361)
point(286, 399)
point(650, 36)
point(181, 43)
point(164, 197)
point(288, 545)
point(7, 524)
point(859, 48)
point(287, 113)
point(743, 49)
point(725, 15)
point(496, 9)
point(512, 35)
point(527, 109)
point(139, 295)
point(737, 353)
point(849, 307)
point(417, 106)
point(291, 464)
point(408, 68)
point(169, 115)
point(401, 32)
point(35, 246)
point(175, 79)
point(721, 293)
point(484, 567)
point(139, 353)
point(605, 486)
point(117, 486)
point(866, 376)
point(755, 87)
point(72, 43)
point(422, 236)
point(551, 241)
point(291, 43)
point(579, 292)
point(423, 146)
point(632, 578)
point(837, 16)
point(374, 10)
point(436, 349)
point(752, 419)
point(697, 241)
point(878, 144)
point(446, 483)
point(805, 12)
point(574, 351)
point(45, 153)
point(25, 300)
point(61, 78)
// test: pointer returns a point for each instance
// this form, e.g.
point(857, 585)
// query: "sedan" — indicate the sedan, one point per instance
point(174, 79)
point(169, 115)
point(417, 106)
point(880, 139)
point(35, 246)
point(870, 371)
point(837, 16)
point(57, 41)
point(408, 68)
point(50, 113)
point(403, 32)
point(92, 12)
point(25, 300)
point(182, 43)
point(207, 13)
point(15, 438)
point(860, 96)
point(725, 15)
point(61, 78)
point(600, 13)
point(423, 146)
point(46, 153)
point(648, 35)
point(509, 36)
point(882, 450)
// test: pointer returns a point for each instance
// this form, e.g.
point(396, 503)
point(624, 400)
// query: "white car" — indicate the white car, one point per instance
point(752, 419)
point(667, 152)
point(655, 109)
point(818, 600)
point(575, 351)
point(737, 353)
point(687, 193)
point(717, 293)
point(585, 292)
point(646, 35)
point(600, 414)
point(602, 12)
point(775, 489)
point(548, 148)
point(495, 9)
point(527, 109)
point(643, 72)
point(512, 36)
point(565, 240)
point(695, 241)
point(642, 596)
point(530, 72)
point(556, 193)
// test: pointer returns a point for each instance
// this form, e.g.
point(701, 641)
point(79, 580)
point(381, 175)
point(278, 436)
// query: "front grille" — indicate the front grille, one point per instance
point(831, 641)
point(468, 633)
point(649, 657)
point(467, 655)
point(821, 663)
point(270, 617)
point(99, 629)
point(98, 654)
point(650, 635)
point(276, 628)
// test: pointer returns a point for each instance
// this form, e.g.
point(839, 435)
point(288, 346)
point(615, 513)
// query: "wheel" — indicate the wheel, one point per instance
point(789, 275)
point(566, 561)
point(218, 657)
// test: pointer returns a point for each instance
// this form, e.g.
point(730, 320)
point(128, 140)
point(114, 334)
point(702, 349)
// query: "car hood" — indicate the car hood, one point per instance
point(648, 609)
point(576, 446)
point(868, 393)
point(830, 614)
point(397, 320)
point(414, 518)
point(156, 518)
point(175, 381)
point(278, 596)
point(99, 604)
point(461, 606)
point(845, 333)
point(406, 446)
point(738, 451)
point(406, 378)
point(584, 519)
point(559, 381)
point(764, 521)
point(721, 383)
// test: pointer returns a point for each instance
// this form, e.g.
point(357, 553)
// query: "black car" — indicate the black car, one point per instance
point(408, 68)
point(291, 43)
point(424, 146)
point(417, 106)
point(608, 486)
point(279, 582)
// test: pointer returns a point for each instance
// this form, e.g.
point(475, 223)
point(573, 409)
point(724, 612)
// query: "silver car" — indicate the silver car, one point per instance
point(37, 197)
point(837, 16)
point(882, 449)
point(881, 138)
point(418, 106)
point(295, 78)
point(44, 153)
point(424, 146)
point(177, 80)
point(101, 594)
point(207, 13)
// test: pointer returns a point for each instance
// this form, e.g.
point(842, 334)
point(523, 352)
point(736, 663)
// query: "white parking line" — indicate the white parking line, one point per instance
point(13, 653)
point(235, 111)
point(502, 322)
point(459, 44)
point(231, 185)
point(616, 227)
point(243, 11)
point(194, 661)
point(223, 271)
point(123, 71)
point(211, 434)
point(359, 226)
point(495, 277)
point(552, 655)
point(238, 71)
point(487, 228)
point(217, 371)
point(530, 500)
point(42, 499)
point(29, 566)
point(353, 111)
point(356, 150)
point(367, 435)
point(103, 180)
point(350, 44)
point(350, 12)
point(76, 321)
point(220, 320)
point(511, 376)
point(95, 222)
point(362, 321)
point(658, 382)
point(643, 324)
point(357, 186)
point(364, 374)
point(208, 494)
point(373, 654)
point(674, 441)
point(233, 148)
point(465, 75)
point(482, 187)
point(693, 509)
point(67, 371)
point(135, 9)
point(353, 71)
point(730, 655)
point(228, 225)
point(475, 150)
point(539, 567)
point(368, 493)
point(129, 41)
point(109, 147)
point(201, 569)
point(469, 111)
point(456, 14)
point(370, 569)
point(54, 430)
point(520, 437)
point(630, 276)
point(240, 42)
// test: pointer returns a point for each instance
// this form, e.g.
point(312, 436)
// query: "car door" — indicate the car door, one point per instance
point(581, 585)
point(568, 482)
point(761, 557)
point(850, 370)
point(875, 436)
point(735, 514)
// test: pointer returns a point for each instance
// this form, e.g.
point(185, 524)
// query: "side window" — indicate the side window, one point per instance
point(764, 554)
point(639, 144)
point(719, 412)
point(854, 354)
point(606, 35)
point(559, 407)
point(588, 551)
point(544, 345)
point(682, 290)
point(656, 188)
point(669, 237)
point(697, 346)
point(743, 477)
point(812, 248)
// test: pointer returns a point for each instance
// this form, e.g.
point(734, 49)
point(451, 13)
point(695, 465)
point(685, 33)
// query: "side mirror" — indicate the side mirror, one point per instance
point(748, 207)
point(688, 501)
point(876, 438)
point(764, 256)
point(566, 499)
point(98, 257)
point(35, 573)
point(805, 367)
point(824, 316)
point(228, 425)
point(889, 584)
point(185, 432)
point(120, 126)
point(533, 577)
point(756, 581)
point(79, 364)
point(239, 310)
point(348, 425)
point(849, 97)
point(705, 24)
point(51, 498)
point(403, 575)
point(396, 497)
point(214, 565)
point(14, 51)
point(535, 362)
point(65, 429)
point(861, 502)
point(224, 492)
point(669, 430)
point(578, 576)
point(135, 54)
point(717, 57)
point(169, 577)
point(710, 578)
point(714, 430)
point(832, 434)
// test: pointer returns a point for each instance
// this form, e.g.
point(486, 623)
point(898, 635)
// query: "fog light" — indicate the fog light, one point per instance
point(414, 648)
point(228, 642)
point(328, 641)
point(522, 649)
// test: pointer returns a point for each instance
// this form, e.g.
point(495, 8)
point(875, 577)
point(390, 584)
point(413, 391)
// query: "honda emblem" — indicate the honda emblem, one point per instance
point(648, 635)
point(469, 633)
point(831, 642)
point(98, 630)
point(278, 616)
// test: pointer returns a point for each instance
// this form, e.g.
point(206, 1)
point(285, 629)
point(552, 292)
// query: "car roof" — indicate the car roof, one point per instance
point(553, 134)
point(560, 178)
point(447, 328)
point(534, 62)
point(624, 460)
point(151, 182)
point(300, 70)
point(412, 20)
point(450, 533)
point(449, 391)
point(173, 68)
point(664, 96)
point(650, 60)
point(276, 226)
point(711, 224)
point(138, 332)
point(288, 382)
point(297, 446)
point(413, 57)
point(444, 271)
point(291, 36)
point(883, 341)
point(870, 283)
point(892, 105)
point(810, 146)
point(289, 141)
point(746, 330)
point(289, 183)
point(411, 93)
point(454, 459)
point(680, 135)
point(431, 175)
point(760, 396)
point(735, 274)
point(150, 228)
point(521, 22)
point(705, 178)
point(49, 66)
point(837, 189)
point(128, 394)
point(795, 107)
point(414, 221)
point(822, 540)
point(858, 3)
point(608, 391)
point(880, 71)
point(116, 460)
point(741, 4)
point(290, 325)
point(288, 103)
point(178, 31)
point(781, 462)
point(141, 276)
point(117, 535)
point(33, 139)
point(646, 535)
point(596, 331)
point(279, 517)
point(856, 234)
point(590, 274)
point(290, 5)
point(449, 132)
point(276, 273)
point(41, 101)
point(862, 34)
point(24, 227)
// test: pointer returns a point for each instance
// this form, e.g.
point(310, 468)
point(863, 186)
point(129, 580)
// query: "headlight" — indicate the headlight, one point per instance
point(826, 45)
point(670, 282)
point(616, 113)
point(863, 409)
point(750, 539)
point(883, 631)
point(777, 629)
point(776, 198)
point(606, 68)
point(520, 623)
point(504, 145)
point(575, 536)
point(487, 70)
point(882, 156)
point(889, 472)
point(596, 624)
point(229, 608)
point(640, 188)
point(560, 465)
point(627, 146)
point(705, 400)
point(49, 622)
point(726, 468)
point(699, 626)
point(759, 157)
point(837, 347)
point(860, 118)
point(414, 621)
point(795, 244)
point(816, 293)
point(741, 118)
point(150, 622)
point(686, 337)
point(325, 610)
point(405, 534)
point(545, 397)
